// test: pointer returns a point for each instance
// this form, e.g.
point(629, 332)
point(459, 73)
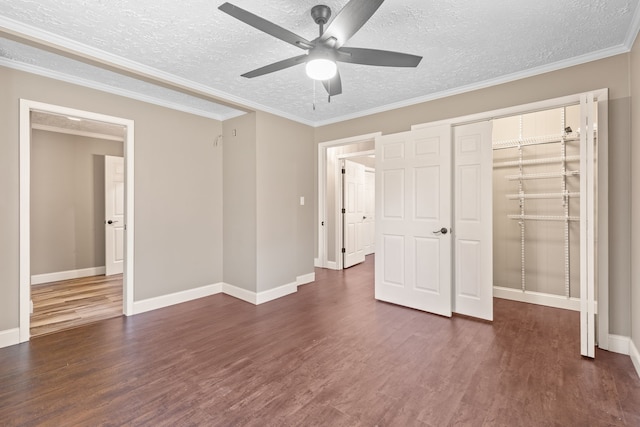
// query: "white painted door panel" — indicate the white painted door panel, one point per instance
point(413, 191)
point(114, 214)
point(354, 206)
point(473, 221)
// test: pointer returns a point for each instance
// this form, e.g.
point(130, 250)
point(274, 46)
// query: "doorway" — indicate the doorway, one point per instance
point(27, 110)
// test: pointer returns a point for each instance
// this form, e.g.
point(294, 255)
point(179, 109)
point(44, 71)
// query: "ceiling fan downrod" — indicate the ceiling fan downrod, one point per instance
point(321, 14)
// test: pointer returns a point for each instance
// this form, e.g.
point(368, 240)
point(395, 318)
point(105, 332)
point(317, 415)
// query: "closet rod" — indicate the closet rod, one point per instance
point(544, 217)
point(549, 139)
point(540, 161)
point(543, 175)
point(541, 195)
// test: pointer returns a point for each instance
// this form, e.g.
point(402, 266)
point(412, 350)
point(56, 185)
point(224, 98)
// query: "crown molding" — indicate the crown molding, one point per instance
point(634, 28)
point(576, 60)
point(43, 38)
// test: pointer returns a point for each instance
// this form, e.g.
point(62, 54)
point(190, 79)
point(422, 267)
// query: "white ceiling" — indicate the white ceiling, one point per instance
point(193, 48)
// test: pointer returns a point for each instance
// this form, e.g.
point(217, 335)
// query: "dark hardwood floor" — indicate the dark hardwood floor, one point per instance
point(329, 355)
point(70, 303)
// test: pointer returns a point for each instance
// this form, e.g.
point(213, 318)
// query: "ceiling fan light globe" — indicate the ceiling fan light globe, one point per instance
point(321, 69)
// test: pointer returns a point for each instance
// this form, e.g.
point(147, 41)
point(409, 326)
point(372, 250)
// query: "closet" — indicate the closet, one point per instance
point(536, 207)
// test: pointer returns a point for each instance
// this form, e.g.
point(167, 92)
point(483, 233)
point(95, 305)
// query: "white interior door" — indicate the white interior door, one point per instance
point(473, 229)
point(413, 212)
point(369, 211)
point(114, 214)
point(353, 208)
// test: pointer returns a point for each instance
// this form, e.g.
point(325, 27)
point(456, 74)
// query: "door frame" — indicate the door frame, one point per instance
point(322, 260)
point(602, 184)
point(26, 107)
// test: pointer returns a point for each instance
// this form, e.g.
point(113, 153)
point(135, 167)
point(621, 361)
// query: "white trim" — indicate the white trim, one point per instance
point(635, 356)
point(539, 298)
point(260, 297)
point(79, 81)
point(275, 293)
point(9, 337)
point(37, 279)
point(619, 344)
point(240, 293)
point(634, 27)
point(317, 262)
point(46, 39)
point(578, 60)
point(76, 132)
point(176, 298)
point(323, 262)
point(306, 279)
point(26, 106)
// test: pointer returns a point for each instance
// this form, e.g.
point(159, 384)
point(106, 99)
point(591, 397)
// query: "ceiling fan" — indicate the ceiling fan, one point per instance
point(328, 48)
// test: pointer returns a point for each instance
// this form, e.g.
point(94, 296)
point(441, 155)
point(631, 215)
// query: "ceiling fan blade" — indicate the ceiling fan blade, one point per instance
point(265, 26)
point(333, 86)
point(383, 58)
point(349, 20)
point(276, 66)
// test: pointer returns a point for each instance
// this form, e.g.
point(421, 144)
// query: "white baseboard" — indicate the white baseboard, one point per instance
point(635, 356)
point(9, 337)
point(37, 279)
point(240, 293)
point(275, 293)
point(332, 265)
point(306, 278)
point(176, 298)
point(549, 300)
point(317, 262)
point(619, 344)
point(260, 297)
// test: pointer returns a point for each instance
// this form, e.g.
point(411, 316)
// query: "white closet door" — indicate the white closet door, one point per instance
point(370, 212)
point(413, 203)
point(473, 221)
point(587, 229)
point(353, 213)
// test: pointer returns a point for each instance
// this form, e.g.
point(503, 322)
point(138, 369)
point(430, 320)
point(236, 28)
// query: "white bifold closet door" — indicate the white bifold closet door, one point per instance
point(417, 242)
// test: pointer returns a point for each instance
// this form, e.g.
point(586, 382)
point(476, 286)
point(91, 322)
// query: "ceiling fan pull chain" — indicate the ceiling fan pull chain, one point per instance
point(314, 94)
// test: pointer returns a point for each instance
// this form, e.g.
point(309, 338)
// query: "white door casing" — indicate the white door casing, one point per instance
point(473, 229)
point(114, 214)
point(413, 203)
point(354, 209)
point(369, 211)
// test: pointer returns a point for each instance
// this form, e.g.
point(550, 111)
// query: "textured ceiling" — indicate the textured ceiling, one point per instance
point(465, 44)
point(57, 122)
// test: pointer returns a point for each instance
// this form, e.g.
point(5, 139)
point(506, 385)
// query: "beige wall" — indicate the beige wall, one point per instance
point(67, 201)
point(285, 172)
point(178, 189)
point(240, 201)
point(635, 227)
point(612, 73)
point(267, 168)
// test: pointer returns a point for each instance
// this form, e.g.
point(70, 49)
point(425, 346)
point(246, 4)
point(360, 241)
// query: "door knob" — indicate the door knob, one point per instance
point(111, 222)
point(443, 230)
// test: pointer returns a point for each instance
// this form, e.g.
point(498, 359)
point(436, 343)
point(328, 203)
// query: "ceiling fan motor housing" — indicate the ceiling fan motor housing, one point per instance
point(320, 14)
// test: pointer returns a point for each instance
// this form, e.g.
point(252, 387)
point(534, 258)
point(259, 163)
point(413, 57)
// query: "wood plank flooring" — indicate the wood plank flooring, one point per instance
point(71, 303)
point(329, 355)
